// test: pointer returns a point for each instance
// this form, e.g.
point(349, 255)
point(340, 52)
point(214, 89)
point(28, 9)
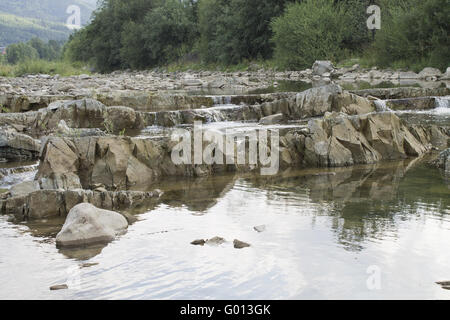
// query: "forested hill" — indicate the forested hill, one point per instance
point(21, 20)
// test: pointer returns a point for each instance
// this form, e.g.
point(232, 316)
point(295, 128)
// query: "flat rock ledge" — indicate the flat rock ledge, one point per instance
point(58, 203)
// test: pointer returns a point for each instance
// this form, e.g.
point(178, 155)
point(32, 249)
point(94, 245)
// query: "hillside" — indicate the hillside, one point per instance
point(20, 20)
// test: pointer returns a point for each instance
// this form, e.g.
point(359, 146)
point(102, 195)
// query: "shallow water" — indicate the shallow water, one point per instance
point(12, 173)
point(324, 230)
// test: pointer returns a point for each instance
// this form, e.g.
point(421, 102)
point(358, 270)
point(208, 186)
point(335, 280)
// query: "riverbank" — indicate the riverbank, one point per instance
point(107, 140)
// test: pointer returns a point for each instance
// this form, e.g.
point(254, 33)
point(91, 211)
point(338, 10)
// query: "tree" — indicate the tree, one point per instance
point(308, 31)
point(20, 52)
point(169, 32)
point(231, 31)
point(46, 51)
point(413, 33)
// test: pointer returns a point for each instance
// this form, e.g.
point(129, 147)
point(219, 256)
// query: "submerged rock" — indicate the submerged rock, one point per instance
point(59, 287)
point(260, 229)
point(87, 225)
point(240, 244)
point(200, 242)
point(215, 241)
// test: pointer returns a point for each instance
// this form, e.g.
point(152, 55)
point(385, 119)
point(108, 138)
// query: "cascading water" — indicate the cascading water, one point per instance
point(442, 105)
point(221, 100)
point(381, 106)
point(12, 176)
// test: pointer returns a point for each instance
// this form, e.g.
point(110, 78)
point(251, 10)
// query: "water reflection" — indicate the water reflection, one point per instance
point(323, 229)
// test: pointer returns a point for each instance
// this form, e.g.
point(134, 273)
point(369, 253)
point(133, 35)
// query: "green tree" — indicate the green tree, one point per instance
point(231, 31)
point(170, 32)
point(308, 31)
point(47, 51)
point(413, 33)
point(20, 52)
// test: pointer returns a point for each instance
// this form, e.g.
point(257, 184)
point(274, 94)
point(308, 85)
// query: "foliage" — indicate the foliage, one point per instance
point(62, 68)
point(231, 31)
point(20, 52)
point(165, 34)
point(308, 31)
point(414, 33)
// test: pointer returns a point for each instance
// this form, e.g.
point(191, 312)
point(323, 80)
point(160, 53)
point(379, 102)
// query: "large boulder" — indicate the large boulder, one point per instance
point(430, 74)
point(312, 102)
point(86, 225)
point(322, 68)
point(16, 146)
point(352, 104)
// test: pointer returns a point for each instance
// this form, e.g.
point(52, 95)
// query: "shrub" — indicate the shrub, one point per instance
point(414, 34)
point(20, 52)
point(308, 31)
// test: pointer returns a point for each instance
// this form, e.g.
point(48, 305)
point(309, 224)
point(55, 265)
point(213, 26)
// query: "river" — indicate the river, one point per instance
point(366, 232)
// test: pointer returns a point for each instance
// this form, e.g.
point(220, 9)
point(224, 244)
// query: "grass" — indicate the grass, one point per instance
point(62, 68)
point(3, 191)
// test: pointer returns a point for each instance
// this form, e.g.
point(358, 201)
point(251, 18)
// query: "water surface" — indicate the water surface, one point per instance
point(324, 229)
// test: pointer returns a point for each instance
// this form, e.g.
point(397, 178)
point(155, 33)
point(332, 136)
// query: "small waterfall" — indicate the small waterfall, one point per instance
point(381, 106)
point(221, 100)
point(12, 176)
point(442, 102)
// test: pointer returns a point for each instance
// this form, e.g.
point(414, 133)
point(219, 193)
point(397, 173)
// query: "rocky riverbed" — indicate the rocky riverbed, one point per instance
point(106, 142)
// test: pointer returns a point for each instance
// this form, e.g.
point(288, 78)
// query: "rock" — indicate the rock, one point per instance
point(273, 119)
point(402, 93)
point(215, 241)
point(443, 161)
point(59, 287)
point(338, 140)
point(260, 229)
point(312, 102)
point(88, 265)
point(446, 75)
point(320, 68)
point(17, 146)
point(122, 118)
point(430, 74)
point(200, 242)
point(444, 284)
point(192, 82)
point(24, 188)
point(408, 75)
point(240, 244)
point(57, 203)
point(63, 128)
point(352, 104)
point(130, 218)
point(86, 225)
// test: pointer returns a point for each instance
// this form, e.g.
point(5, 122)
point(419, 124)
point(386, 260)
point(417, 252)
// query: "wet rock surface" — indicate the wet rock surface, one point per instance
point(93, 136)
point(57, 203)
point(86, 225)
